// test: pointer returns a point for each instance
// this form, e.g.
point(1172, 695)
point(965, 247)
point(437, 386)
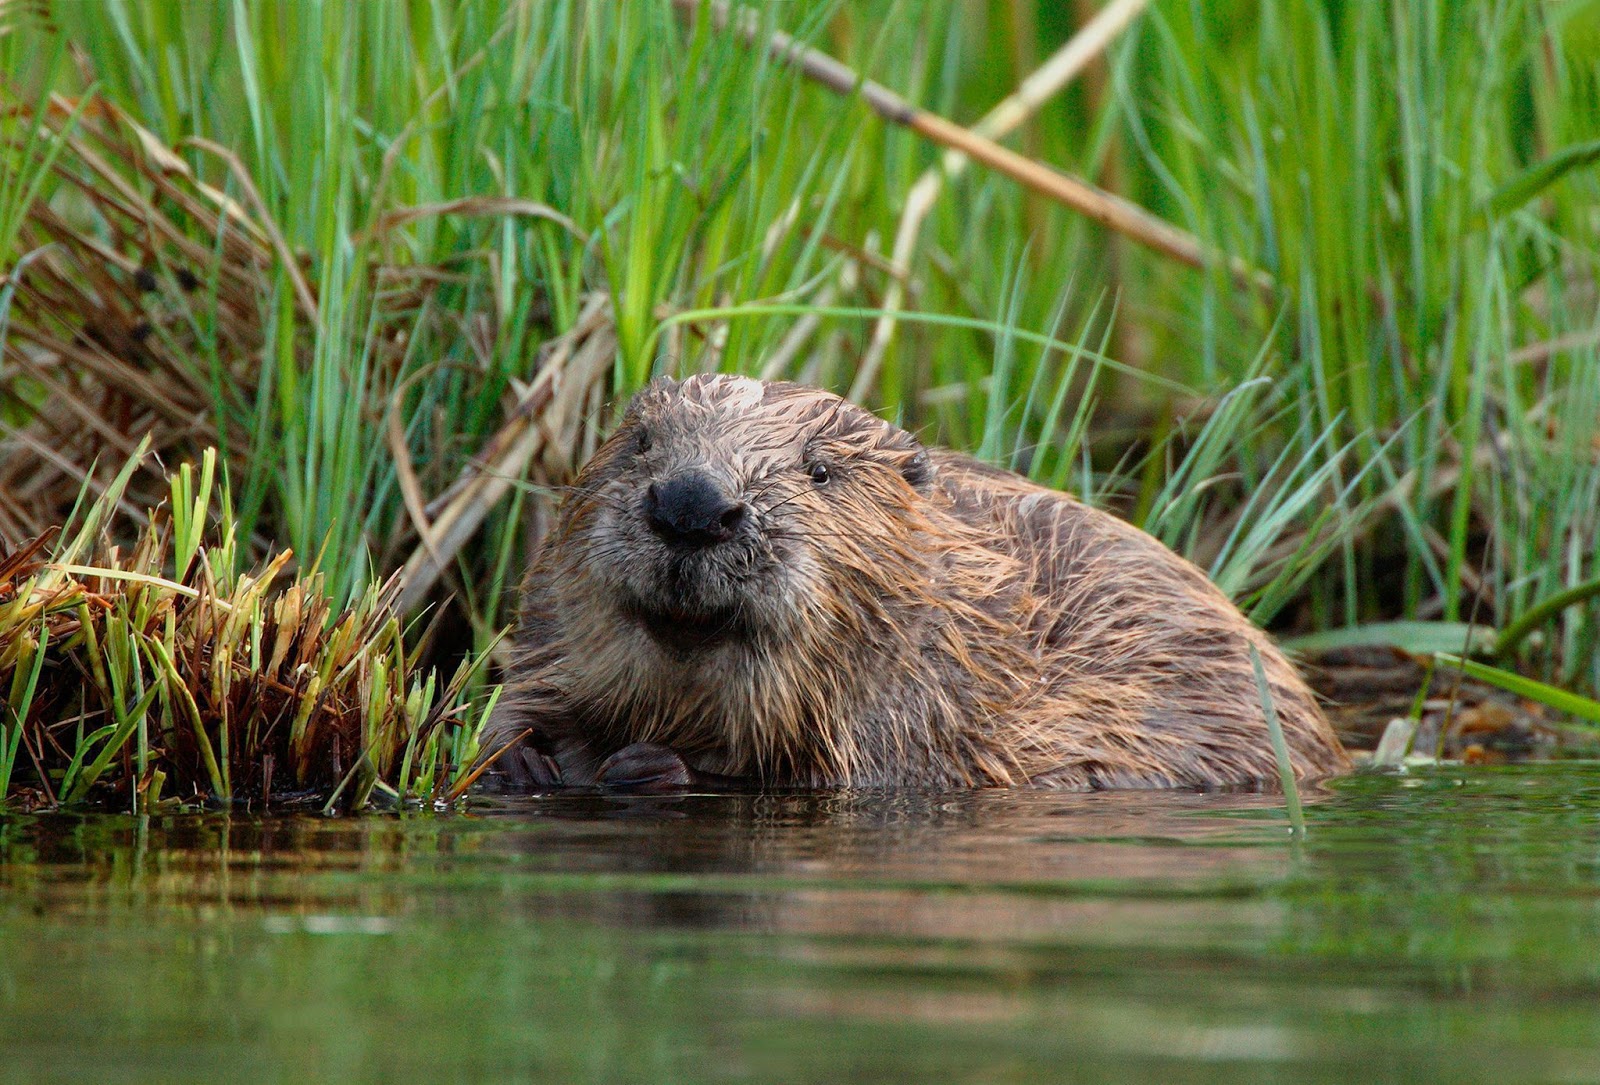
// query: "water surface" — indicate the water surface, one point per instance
point(1432, 927)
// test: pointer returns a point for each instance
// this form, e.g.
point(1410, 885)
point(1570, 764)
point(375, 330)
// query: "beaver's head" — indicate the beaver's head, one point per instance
point(727, 512)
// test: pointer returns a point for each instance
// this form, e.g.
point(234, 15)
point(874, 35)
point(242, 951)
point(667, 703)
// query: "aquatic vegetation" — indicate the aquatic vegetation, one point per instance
point(156, 672)
point(399, 284)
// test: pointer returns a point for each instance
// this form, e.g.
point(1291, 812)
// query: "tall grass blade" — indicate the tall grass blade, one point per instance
point(1280, 748)
point(1539, 177)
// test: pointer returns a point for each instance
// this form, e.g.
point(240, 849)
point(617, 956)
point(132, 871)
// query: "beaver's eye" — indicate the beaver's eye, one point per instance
point(818, 472)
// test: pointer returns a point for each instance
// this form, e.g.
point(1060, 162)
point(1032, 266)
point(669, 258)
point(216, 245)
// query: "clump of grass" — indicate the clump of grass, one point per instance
point(156, 673)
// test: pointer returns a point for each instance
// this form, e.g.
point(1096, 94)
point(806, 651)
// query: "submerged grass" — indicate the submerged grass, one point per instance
point(396, 263)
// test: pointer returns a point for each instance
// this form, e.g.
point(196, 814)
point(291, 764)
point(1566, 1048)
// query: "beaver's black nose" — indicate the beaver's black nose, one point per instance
point(690, 510)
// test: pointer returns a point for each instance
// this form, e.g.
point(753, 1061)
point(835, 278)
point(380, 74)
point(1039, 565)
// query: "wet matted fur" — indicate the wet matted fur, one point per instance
point(870, 612)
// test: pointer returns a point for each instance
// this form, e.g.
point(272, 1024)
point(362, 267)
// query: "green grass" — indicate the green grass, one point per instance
point(1404, 428)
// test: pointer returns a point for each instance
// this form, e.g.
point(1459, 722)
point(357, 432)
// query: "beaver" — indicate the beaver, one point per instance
point(762, 582)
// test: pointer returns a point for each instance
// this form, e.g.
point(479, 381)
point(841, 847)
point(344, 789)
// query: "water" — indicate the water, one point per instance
point(1436, 927)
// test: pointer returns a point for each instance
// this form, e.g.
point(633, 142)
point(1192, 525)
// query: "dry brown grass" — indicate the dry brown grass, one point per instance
point(136, 316)
point(104, 322)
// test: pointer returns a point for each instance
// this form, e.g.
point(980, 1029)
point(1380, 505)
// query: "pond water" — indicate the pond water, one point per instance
point(1435, 926)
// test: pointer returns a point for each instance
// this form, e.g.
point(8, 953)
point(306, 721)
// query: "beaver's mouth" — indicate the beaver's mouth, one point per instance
point(686, 631)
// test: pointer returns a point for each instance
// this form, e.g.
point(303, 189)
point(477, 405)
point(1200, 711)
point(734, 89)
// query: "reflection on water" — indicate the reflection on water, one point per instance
point(1434, 927)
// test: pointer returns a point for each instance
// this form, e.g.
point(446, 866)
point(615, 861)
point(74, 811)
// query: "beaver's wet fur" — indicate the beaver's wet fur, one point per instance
point(761, 581)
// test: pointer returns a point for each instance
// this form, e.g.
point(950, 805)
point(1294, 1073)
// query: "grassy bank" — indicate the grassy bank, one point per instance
point(395, 260)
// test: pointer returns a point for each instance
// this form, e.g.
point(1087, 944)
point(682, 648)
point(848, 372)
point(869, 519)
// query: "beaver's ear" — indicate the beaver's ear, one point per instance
point(917, 469)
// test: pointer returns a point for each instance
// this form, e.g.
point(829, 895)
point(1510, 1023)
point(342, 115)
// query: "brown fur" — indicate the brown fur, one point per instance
point(918, 619)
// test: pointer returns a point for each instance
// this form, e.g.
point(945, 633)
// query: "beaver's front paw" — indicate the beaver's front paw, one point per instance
point(644, 766)
point(521, 767)
point(535, 769)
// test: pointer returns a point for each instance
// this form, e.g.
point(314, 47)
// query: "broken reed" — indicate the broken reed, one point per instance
point(160, 674)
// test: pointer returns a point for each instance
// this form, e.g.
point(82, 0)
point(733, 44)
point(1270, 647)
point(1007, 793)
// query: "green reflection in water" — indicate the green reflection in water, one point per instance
point(1435, 927)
